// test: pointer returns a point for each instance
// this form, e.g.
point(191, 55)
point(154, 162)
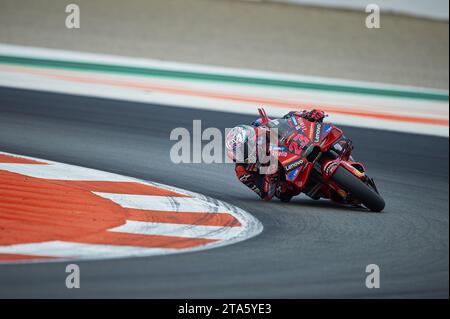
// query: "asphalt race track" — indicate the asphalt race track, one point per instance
point(307, 249)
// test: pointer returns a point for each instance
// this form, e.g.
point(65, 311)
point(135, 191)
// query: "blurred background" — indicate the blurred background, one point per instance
point(323, 37)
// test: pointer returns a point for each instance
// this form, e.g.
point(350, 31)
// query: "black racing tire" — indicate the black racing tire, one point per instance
point(364, 193)
point(285, 198)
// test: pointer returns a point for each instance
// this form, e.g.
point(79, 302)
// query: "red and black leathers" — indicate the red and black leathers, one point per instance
point(268, 185)
point(262, 184)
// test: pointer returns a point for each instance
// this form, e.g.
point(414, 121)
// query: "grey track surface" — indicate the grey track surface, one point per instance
point(307, 249)
point(243, 34)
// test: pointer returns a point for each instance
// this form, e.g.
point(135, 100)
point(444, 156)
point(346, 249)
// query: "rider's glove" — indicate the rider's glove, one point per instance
point(314, 115)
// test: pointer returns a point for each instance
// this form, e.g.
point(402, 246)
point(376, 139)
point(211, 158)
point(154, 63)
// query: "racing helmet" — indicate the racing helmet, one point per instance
point(241, 144)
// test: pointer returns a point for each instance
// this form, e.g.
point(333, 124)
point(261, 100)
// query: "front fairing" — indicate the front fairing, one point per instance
point(297, 138)
point(291, 146)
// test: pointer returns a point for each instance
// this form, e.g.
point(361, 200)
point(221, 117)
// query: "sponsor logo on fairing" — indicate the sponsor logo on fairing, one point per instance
point(278, 148)
point(294, 165)
point(296, 125)
point(294, 120)
point(318, 133)
point(327, 128)
point(293, 174)
point(278, 153)
point(302, 126)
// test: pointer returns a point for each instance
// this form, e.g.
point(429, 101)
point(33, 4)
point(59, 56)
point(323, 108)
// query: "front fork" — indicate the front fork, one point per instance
point(345, 161)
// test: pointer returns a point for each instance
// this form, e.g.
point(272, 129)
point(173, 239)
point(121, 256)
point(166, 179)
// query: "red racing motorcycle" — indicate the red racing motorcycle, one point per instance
point(315, 158)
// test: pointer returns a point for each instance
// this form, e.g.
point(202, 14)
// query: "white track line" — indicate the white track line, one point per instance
point(163, 203)
point(181, 230)
point(63, 172)
point(62, 249)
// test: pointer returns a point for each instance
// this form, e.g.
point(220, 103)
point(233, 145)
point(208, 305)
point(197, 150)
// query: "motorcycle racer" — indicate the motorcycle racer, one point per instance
point(243, 143)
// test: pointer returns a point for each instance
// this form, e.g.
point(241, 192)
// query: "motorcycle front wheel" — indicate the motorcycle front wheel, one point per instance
point(359, 190)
